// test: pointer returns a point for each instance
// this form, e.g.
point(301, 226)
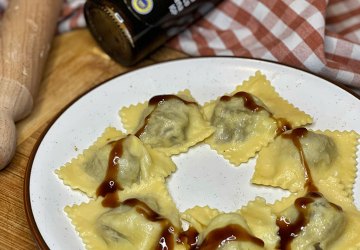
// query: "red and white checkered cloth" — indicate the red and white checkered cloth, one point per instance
point(316, 35)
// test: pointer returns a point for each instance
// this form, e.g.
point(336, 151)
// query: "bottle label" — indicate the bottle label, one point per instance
point(142, 7)
point(179, 5)
point(154, 12)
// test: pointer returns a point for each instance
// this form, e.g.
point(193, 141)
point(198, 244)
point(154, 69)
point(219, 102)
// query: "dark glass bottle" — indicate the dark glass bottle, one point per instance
point(128, 30)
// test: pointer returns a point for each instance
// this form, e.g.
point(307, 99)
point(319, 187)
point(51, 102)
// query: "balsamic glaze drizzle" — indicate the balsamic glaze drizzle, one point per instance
point(188, 238)
point(249, 103)
point(167, 237)
point(217, 237)
point(110, 185)
point(233, 232)
point(288, 231)
point(156, 101)
point(295, 136)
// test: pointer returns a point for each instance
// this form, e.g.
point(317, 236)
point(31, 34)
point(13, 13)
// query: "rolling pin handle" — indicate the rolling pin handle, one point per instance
point(8, 135)
point(26, 30)
point(16, 103)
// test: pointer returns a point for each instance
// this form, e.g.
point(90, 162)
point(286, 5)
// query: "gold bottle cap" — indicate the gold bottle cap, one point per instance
point(109, 30)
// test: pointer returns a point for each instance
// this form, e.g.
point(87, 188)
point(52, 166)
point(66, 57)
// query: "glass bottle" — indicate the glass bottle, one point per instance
point(128, 30)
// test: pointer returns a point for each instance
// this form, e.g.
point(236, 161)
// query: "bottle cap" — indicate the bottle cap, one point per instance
point(108, 26)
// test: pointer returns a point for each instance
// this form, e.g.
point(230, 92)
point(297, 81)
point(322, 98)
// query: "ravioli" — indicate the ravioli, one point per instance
point(146, 218)
point(281, 163)
point(261, 221)
point(199, 217)
point(257, 215)
point(235, 117)
point(229, 231)
point(137, 162)
point(328, 219)
point(314, 220)
point(133, 209)
point(249, 118)
point(169, 123)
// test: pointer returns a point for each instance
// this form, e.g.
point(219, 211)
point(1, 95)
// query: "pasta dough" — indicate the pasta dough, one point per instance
point(229, 231)
point(169, 123)
point(311, 223)
point(249, 118)
point(145, 218)
point(128, 164)
point(235, 122)
point(326, 154)
point(137, 162)
point(135, 224)
point(259, 222)
point(123, 226)
point(338, 237)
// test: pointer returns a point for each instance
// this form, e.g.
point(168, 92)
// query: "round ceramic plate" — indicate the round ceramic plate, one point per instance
point(203, 177)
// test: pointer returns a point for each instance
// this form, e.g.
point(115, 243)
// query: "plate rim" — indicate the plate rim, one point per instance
point(26, 187)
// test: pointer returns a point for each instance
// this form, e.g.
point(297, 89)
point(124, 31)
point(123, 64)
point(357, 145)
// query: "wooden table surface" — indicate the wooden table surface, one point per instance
point(75, 64)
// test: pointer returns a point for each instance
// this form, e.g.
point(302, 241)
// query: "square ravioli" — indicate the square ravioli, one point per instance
point(249, 118)
point(255, 222)
point(145, 219)
point(169, 123)
point(114, 158)
point(318, 220)
point(296, 155)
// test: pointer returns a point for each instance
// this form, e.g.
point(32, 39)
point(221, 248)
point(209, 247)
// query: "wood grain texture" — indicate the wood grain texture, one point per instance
point(75, 65)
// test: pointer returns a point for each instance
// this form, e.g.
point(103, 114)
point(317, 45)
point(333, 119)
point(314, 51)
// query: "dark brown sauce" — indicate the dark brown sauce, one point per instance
point(249, 103)
point(110, 185)
point(156, 101)
point(188, 238)
point(314, 194)
point(167, 238)
point(283, 125)
point(232, 232)
point(216, 237)
point(295, 136)
point(289, 231)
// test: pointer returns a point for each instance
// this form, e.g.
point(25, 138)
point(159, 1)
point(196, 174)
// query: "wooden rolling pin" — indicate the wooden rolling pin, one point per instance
point(26, 32)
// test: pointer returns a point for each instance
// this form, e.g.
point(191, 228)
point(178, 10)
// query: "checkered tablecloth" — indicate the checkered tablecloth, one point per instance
point(316, 35)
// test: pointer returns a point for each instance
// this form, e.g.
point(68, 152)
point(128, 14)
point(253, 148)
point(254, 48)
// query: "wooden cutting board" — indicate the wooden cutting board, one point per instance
point(75, 65)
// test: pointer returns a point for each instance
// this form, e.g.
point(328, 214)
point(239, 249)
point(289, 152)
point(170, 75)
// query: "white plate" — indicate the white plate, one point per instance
point(203, 177)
